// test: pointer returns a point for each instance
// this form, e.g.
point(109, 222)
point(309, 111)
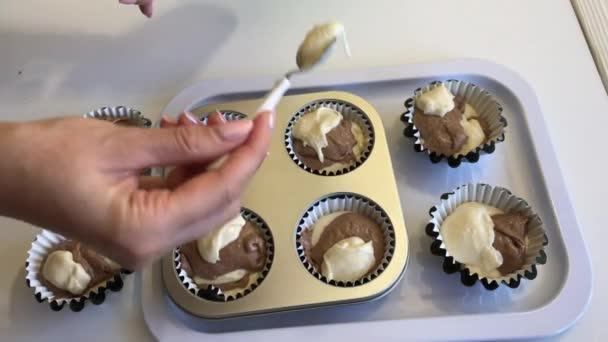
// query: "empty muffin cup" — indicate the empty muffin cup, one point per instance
point(362, 134)
point(499, 200)
point(345, 240)
point(488, 116)
point(214, 293)
point(41, 247)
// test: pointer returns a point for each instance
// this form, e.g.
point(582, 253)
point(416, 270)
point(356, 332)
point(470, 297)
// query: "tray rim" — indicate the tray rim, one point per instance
point(556, 316)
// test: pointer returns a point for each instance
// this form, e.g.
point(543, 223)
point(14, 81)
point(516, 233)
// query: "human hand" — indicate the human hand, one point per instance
point(80, 177)
point(145, 6)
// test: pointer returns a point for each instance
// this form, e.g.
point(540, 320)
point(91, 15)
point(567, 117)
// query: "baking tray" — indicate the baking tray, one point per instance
point(280, 193)
point(427, 303)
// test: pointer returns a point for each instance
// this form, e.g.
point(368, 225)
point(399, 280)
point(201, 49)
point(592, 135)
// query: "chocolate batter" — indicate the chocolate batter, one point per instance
point(93, 263)
point(247, 252)
point(510, 233)
point(342, 227)
point(339, 149)
point(442, 135)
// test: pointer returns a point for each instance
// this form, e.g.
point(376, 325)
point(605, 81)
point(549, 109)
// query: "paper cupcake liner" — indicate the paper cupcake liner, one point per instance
point(213, 293)
point(504, 200)
point(39, 250)
point(349, 112)
point(229, 115)
point(490, 111)
point(357, 204)
point(118, 113)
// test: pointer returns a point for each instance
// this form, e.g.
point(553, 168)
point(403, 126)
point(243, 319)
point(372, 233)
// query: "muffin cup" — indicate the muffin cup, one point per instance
point(114, 114)
point(490, 111)
point(504, 200)
point(214, 293)
point(346, 202)
point(349, 112)
point(39, 250)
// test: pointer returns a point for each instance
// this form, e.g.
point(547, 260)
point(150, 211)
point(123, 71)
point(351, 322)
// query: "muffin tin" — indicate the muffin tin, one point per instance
point(281, 193)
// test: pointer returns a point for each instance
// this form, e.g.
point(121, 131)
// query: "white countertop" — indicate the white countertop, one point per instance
point(104, 54)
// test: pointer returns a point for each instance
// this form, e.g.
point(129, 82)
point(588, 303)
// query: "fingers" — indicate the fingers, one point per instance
point(214, 189)
point(145, 6)
point(215, 119)
point(179, 145)
point(151, 182)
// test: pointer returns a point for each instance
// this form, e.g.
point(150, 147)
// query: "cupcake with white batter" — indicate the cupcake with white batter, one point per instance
point(345, 239)
point(329, 137)
point(487, 234)
point(64, 271)
point(230, 258)
point(344, 246)
point(454, 119)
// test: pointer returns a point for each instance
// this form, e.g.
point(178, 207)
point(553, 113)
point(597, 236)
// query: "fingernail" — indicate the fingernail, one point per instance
point(235, 129)
point(191, 117)
point(271, 117)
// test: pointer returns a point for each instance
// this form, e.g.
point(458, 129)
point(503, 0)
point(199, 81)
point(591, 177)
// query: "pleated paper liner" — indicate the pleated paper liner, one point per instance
point(229, 115)
point(504, 200)
point(39, 250)
point(213, 293)
point(120, 113)
point(354, 203)
point(488, 108)
point(349, 112)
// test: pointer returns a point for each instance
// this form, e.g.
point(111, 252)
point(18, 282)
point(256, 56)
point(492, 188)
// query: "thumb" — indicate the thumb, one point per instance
point(180, 145)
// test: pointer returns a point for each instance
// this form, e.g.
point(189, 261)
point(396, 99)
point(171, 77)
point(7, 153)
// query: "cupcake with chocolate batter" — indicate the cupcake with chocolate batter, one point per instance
point(229, 258)
point(487, 234)
point(345, 240)
point(344, 246)
point(324, 141)
point(72, 269)
point(455, 120)
point(63, 271)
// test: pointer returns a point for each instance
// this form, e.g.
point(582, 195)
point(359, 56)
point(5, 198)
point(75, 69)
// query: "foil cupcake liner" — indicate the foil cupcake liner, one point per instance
point(39, 250)
point(213, 293)
point(346, 202)
point(349, 112)
point(229, 115)
point(504, 200)
point(490, 111)
point(119, 113)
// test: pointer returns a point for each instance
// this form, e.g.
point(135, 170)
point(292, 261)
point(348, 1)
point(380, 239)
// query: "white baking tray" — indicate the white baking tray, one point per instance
point(427, 304)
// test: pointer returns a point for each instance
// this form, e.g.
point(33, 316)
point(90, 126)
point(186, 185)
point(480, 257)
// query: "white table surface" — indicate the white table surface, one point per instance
point(71, 56)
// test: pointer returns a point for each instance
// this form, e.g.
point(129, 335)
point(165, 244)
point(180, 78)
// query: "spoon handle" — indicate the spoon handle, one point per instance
point(274, 96)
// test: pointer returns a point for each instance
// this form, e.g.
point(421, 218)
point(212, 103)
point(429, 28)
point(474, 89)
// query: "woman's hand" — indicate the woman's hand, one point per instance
point(80, 177)
point(145, 6)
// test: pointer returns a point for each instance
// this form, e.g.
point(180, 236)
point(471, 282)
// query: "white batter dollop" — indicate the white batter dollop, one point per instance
point(468, 235)
point(209, 246)
point(62, 271)
point(348, 260)
point(225, 278)
point(475, 134)
point(317, 42)
point(437, 101)
point(312, 128)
